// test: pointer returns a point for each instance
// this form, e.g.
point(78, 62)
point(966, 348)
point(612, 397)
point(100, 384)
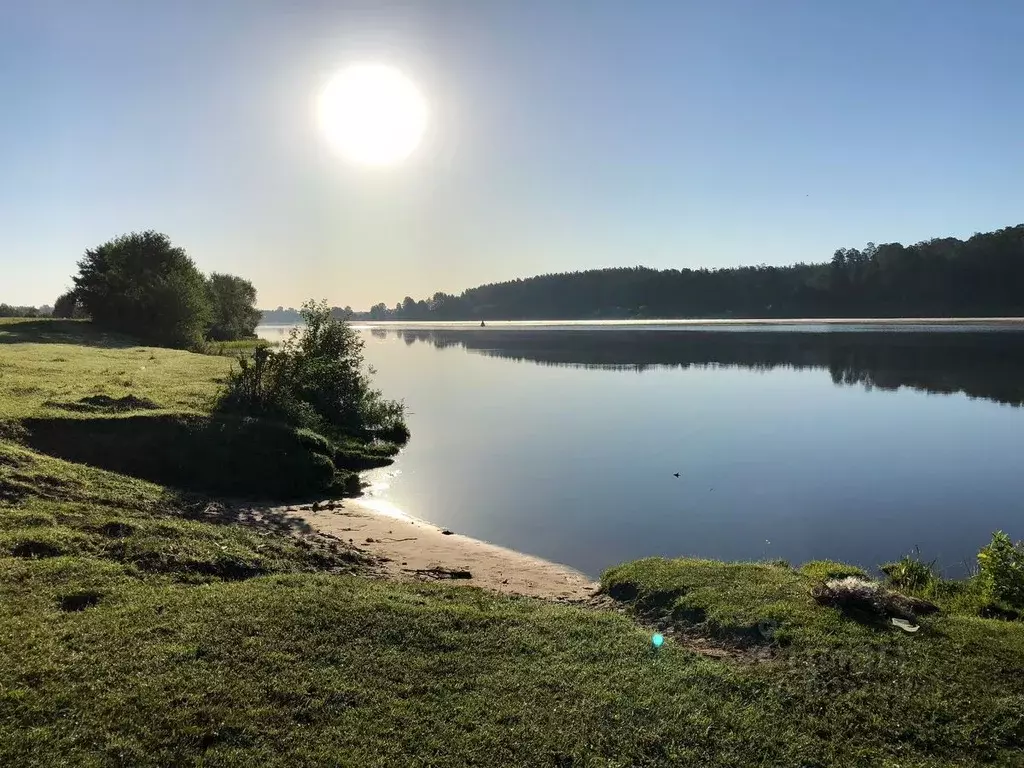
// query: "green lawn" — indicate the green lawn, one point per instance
point(54, 368)
point(141, 627)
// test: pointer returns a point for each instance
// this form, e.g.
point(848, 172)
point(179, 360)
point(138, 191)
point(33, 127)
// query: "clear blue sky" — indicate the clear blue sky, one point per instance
point(564, 135)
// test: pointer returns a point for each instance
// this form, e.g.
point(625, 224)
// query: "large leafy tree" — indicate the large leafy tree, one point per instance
point(140, 283)
point(233, 306)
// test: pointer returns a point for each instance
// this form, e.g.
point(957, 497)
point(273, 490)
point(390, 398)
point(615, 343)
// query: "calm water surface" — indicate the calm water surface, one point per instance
point(857, 443)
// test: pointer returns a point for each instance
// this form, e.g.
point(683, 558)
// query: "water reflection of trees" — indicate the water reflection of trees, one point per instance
point(988, 365)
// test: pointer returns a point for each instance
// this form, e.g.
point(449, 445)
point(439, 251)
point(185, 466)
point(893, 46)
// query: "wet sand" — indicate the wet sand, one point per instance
point(413, 550)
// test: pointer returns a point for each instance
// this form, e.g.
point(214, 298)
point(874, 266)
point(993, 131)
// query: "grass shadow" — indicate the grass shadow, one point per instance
point(46, 331)
point(105, 404)
point(224, 512)
point(241, 458)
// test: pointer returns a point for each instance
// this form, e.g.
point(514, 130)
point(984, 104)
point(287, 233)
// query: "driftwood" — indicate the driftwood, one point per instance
point(440, 573)
point(852, 593)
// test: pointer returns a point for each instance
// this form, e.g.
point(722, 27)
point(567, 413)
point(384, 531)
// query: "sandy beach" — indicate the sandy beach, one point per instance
point(413, 550)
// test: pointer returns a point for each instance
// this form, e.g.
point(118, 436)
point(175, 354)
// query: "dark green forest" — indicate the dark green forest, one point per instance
point(944, 277)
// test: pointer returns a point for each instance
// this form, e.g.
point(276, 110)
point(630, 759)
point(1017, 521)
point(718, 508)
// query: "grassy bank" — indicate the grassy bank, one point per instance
point(73, 392)
point(142, 626)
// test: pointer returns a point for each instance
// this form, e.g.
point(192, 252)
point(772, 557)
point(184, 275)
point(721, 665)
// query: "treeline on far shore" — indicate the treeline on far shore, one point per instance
point(942, 277)
point(12, 310)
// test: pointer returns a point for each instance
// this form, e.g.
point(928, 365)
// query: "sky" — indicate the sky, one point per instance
point(562, 136)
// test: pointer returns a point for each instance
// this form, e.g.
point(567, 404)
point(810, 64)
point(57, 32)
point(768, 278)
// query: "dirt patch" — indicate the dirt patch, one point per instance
point(106, 404)
point(11, 493)
point(625, 592)
point(78, 601)
point(35, 549)
point(225, 569)
point(10, 461)
point(998, 612)
point(15, 432)
point(686, 625)
point(116, 529)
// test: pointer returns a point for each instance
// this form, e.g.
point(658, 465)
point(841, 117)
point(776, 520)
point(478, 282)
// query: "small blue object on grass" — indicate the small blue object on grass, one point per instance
point(657, 640)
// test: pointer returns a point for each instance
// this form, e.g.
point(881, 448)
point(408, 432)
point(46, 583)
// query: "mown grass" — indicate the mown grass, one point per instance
point(286, 671)
point(140, 628)
point(953, 691)
point(293, 669)
point(51, 508)
point(52, 368)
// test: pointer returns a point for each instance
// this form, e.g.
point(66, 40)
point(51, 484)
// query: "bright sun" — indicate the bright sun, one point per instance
point(372, 114)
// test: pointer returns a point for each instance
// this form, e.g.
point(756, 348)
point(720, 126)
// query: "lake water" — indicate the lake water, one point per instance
point(856, 443)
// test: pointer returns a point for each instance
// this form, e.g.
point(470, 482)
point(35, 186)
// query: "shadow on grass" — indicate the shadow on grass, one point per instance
point(254, 514)
point(79, 332)
point(240, 458)
point(106, 404)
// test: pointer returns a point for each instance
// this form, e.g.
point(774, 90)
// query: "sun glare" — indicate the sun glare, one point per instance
point(372, 114)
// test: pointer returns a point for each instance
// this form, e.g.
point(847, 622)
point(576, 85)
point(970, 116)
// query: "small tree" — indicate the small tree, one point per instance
point(233, 306)
point(142, 284)
point(317, 379)
point(67, 305)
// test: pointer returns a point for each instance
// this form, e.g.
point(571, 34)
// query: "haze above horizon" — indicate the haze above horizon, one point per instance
point(561, 136)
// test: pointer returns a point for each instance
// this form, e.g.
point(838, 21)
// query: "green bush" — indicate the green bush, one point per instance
point(317, 379)
point(1001, 570)
point(910, 573)
point(357, 460)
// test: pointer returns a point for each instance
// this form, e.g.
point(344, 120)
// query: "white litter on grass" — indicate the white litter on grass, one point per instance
point(905, 625)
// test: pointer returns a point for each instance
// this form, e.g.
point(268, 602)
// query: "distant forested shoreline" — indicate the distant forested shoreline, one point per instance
point(982, 276)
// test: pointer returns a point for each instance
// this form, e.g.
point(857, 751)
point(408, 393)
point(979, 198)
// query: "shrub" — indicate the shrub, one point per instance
point(143, 285)
point(1001, 570)
point(261, 387)
point(317, 379)
point(910, 573)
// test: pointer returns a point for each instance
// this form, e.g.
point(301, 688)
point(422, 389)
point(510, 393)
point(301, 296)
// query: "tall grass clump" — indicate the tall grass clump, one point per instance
point(316, 380)
point(1001, 570)
point(911, 573)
